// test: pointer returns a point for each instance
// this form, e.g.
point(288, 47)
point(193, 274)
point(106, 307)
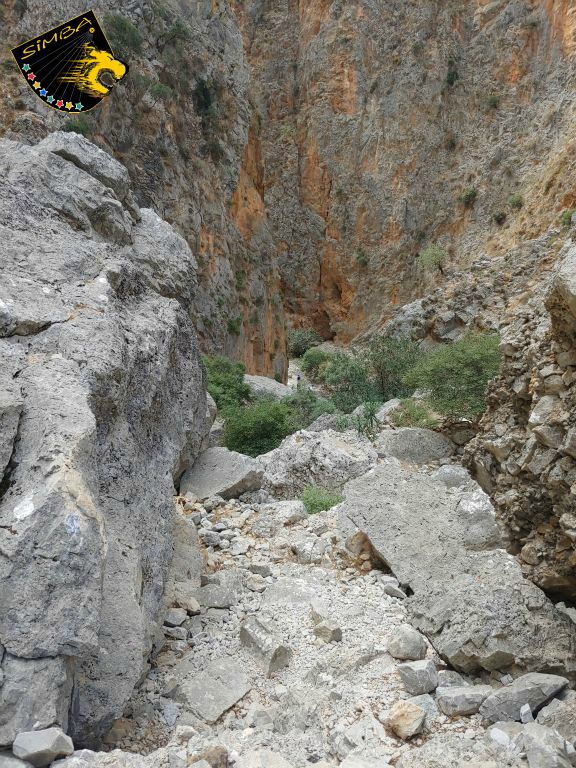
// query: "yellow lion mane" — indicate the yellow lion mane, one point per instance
point(86, 73)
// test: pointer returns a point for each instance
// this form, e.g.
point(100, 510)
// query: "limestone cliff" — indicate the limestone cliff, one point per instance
point(102, 407)
point(184, 125)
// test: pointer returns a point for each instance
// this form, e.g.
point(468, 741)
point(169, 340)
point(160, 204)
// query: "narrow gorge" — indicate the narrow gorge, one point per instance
point(288, 389)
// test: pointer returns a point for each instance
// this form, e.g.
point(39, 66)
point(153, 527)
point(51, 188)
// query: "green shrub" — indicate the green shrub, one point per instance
point(414, 413)
point(318, 499)
point(469, 196)
point(516, 201)
point(432, 257)
point(300, 340)
point(234, 325)
point(452, 75)
point(457, 374)
point(226, 382)
point(80, 124)
point(122, 34)
point(500, 217)
point(178, 31)
point(305, 406)
point(387, 360)
point(314, 361)
point(367, 423)
point(566, 217)
point(362, 258)
point(162, 91)
point(258, 427)
point(493, 101)
point(348, 380)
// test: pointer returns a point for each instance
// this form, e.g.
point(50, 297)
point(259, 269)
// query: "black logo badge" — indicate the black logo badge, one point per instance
point(71, 67)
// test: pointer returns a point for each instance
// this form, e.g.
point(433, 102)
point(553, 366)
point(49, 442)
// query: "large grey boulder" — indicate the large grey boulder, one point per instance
point(534, 689)
point(210, 693)
point(406, 643)
point(560, 714)
point(415, 445)
point(220, 472)
point(42, 747)
point(262, 386)
point(473, 604)
point(328, 459)
point(451, 751)
point(463, 700)
point(105, 413)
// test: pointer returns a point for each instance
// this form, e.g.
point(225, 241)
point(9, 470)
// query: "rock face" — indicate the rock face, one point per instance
point(417, 446)
point(328, 459)
point(534, 689)
point(102, 407)
point(220, 472)
point(529, 465)
point(473, 603)
point(262, 386)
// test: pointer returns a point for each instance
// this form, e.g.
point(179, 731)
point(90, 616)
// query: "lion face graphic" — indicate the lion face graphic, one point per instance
point(87, 73)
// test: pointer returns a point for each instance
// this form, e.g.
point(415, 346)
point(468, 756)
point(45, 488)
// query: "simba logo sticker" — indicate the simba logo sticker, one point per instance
point(71, 67)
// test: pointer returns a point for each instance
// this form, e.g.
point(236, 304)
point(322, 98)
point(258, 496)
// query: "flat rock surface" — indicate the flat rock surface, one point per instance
point(489, 617)
point(220, 472)
point(414, 445)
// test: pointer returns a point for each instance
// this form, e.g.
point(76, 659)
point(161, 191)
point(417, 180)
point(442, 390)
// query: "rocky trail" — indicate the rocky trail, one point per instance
point(293, 644)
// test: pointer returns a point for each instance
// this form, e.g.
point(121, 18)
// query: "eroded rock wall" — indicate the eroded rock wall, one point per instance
point(525, 455)
point(102, 407)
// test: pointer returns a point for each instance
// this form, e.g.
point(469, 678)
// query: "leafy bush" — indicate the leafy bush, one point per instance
point(387, 360)
point(300, 340)
point(80, 124)
point(258, 427)
point(493, 101)
point(305, 406)
point(318, 499)
point(457, 374)
point(566, 217)
point(122, 34)
point(314, 361)
point(413, 413)
point(226, 382)
point(516, 201)
point(348, 380)
point(469, 196)
point(432, 257)
point(500, 217)
point(362, 258)
point(162, 91)
point(234, 325)
point(452, 75)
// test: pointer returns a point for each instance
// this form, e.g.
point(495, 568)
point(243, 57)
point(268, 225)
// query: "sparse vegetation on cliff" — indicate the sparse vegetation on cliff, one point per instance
point(300, 340)
point(123, 35)
point(432, 257)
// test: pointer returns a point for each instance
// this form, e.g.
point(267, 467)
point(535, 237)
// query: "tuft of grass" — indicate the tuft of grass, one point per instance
point(362, 258)
point(493, 101)
point(566, 217)
point(516, 201)
point(500, 217)
point(318, 499)
point(414, 413)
